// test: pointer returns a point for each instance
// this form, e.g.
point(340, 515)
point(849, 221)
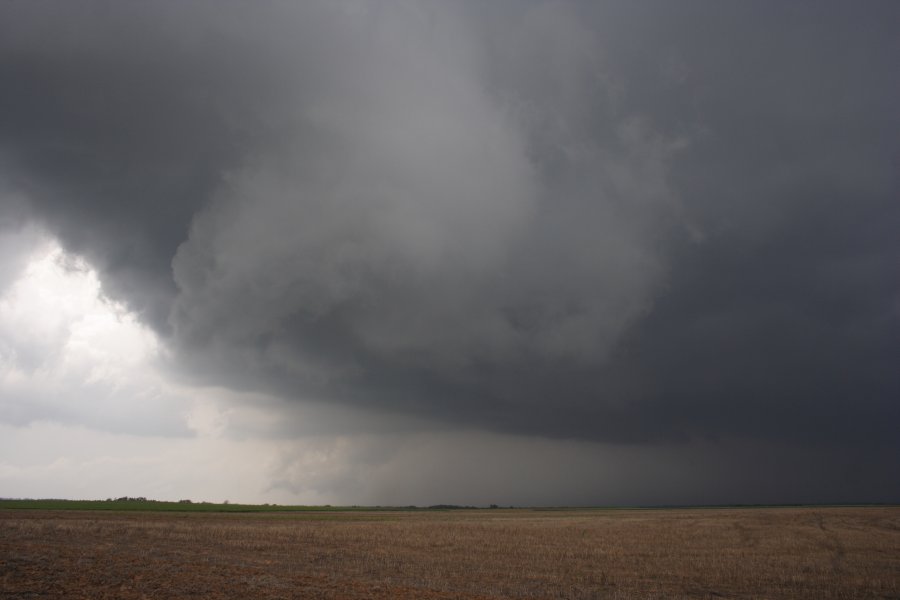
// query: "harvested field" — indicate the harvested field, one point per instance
point(811, 553)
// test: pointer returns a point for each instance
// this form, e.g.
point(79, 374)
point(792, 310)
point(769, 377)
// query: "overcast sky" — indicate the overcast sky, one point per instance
point(515, 252)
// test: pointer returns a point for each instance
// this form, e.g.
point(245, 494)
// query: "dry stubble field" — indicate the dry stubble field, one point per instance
point(698, 553)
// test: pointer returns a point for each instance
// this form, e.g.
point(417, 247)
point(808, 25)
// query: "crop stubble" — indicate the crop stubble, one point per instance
point(816, 553)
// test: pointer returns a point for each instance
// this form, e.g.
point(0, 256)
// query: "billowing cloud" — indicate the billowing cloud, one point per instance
point(418, 239)
point(605, 233)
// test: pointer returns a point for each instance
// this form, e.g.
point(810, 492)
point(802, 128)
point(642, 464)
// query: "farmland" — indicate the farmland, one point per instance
point(799, 552)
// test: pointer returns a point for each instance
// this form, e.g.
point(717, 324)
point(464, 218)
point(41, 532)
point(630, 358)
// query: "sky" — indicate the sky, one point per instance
point(396, 252)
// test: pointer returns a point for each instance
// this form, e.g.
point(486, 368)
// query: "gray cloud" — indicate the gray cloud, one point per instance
point(646, 223)
point(441, 237)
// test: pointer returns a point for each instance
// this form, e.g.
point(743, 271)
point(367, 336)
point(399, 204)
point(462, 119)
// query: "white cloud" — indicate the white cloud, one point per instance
point(68, 354)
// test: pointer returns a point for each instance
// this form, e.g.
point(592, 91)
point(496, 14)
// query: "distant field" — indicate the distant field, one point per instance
point(811, 552)
point(157, 505)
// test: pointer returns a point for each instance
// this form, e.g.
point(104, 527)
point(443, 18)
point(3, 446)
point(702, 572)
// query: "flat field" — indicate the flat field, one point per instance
point(819, 552)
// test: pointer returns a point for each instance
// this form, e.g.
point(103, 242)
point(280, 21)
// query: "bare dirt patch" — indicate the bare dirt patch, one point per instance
point(816, 553)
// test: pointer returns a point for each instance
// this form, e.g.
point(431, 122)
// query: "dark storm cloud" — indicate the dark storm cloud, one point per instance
point(117, 121)
point(613, 222)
